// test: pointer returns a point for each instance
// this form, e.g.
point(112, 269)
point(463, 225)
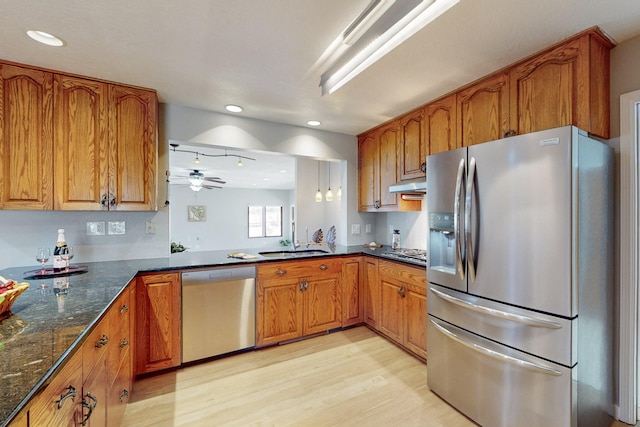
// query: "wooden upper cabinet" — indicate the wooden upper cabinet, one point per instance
point(413, 146)
point(483, 110)
point(568, 84)
point(133, 145)
point(80, 148)
point(440, 124)
point(368, 171)
point(389, 139)
point(26, 138)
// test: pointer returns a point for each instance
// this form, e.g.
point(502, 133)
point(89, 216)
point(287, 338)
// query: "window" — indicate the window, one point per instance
point(265, 221)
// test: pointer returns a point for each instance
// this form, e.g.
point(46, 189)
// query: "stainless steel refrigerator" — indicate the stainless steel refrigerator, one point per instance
point(520, 269)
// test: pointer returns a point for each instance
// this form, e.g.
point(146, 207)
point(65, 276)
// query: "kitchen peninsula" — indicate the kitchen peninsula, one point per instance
point(51, 323)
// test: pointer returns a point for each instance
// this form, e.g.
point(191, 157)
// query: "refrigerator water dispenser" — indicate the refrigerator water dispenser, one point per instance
point(442, 242)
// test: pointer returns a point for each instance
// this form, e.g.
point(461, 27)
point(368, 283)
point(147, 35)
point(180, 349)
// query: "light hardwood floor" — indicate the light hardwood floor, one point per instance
point(348, 378)
point(353, 377)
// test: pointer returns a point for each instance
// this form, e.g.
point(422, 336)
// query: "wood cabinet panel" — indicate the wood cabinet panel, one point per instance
point(483, 110)
point(94, 396)
point(440, 124)
point(389, 141)
point(371, 292)
point(413, 145)
point(368, 171)
point(58, 404)
point(132, 132)
point(26, 138)
point(322, 303)
point(415, 332)
point(157, 327)
point(391, 309)
point(352, 291)
point(279, 306)
point(80, 145)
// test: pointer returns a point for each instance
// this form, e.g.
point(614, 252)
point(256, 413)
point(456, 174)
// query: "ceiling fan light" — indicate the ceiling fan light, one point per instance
point(196, 187)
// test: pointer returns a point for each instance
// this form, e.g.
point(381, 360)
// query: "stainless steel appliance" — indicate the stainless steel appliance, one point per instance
point(520, 327)
point(218, 312)
point(415, 256)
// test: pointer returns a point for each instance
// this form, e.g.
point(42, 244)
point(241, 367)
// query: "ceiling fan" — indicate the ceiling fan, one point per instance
point(197, 180)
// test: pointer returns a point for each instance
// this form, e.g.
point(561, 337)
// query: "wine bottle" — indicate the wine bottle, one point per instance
point(61, 248)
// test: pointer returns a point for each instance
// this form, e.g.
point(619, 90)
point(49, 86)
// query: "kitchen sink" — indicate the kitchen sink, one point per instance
point(303, 252)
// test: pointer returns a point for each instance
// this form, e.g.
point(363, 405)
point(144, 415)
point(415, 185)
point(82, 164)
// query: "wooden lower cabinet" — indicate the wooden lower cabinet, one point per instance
point(371, 292)
point(158, 322)
point(403, 305)
point(352, 296)
point(298, 298)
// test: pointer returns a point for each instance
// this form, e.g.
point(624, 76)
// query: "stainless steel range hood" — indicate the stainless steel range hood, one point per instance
point(417, 185)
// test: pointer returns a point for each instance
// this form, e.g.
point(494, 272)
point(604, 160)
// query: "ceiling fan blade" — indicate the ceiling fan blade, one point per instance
point(216, 180)
point(210, 187)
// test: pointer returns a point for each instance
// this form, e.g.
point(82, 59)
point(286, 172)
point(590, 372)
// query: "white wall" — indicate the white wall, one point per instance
point(226, 225)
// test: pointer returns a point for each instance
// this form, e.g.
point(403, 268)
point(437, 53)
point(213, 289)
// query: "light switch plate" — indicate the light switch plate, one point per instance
point(116, 227)
point(355, 228)
point(95, 228)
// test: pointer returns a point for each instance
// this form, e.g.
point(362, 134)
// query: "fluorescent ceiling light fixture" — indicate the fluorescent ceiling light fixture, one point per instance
point(365, 20)
point(425, 12)
point(313, 123)
point(45, 38)
point(233, 108)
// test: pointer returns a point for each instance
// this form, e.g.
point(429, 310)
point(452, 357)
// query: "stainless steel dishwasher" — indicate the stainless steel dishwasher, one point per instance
point(218, 312)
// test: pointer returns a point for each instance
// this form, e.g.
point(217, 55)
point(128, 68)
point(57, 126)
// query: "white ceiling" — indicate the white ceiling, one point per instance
point(261, 54)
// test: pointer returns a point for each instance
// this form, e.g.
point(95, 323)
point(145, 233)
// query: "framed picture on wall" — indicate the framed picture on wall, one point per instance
point(196, 213)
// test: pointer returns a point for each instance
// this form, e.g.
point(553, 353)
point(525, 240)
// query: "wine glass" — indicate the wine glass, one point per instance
point(67, 256)
point(42, 256)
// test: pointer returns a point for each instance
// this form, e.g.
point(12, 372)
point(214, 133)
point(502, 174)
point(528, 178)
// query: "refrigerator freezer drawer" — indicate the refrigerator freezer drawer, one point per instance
point(495, 385)
point(543, 335)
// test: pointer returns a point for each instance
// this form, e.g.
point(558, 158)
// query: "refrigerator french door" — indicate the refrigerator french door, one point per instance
point(519, 266)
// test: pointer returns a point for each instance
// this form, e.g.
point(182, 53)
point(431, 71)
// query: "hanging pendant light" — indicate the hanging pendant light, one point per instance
point(318, 193)
point(339, 193)
point(329, 194)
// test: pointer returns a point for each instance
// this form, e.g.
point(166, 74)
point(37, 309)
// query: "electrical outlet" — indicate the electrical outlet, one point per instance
point(150, 227)
point(95, 228)
point(355, 228)
point(116, 227)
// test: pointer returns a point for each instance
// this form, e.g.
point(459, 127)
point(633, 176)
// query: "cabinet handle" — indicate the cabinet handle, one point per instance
point(401, 290)
point(423, 167)
point(89, 406)
point(71, 393)
point(281, 272)
point(124, 343)
point(376, 204)
point(102, 341)
point(108, 200)
point(124, 395)
point(301, 283)
point(124, 309)
point(323, 267)
point(509, 133)
point(306, 285)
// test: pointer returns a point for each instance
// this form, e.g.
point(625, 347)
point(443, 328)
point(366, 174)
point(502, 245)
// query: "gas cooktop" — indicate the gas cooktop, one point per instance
point(415, 255)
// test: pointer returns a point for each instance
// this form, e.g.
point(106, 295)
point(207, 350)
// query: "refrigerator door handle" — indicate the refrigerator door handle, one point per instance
point(456, 219)
point(527, 320)
point(471, 264)
point(497, 355)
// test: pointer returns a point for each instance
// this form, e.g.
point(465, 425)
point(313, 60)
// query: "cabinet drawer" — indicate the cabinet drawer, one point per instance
point(415, 276)
point(58, 403)
point(300, 268)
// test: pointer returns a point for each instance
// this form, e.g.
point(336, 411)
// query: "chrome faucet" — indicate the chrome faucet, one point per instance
point(294, 243)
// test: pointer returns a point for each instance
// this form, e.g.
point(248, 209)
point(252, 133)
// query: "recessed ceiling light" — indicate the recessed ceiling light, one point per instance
point(313, 123)
point(45, 38)
point(234, 108)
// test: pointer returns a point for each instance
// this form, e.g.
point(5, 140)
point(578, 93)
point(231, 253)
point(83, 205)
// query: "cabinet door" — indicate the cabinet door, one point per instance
point(413, 146)
point(371, 293)
point(120, 391)
point(415, 310)
point(120, 333)
point(80, 149)
point(133, 146)
point(391, 309)
point(26, 138)
point(352, 295)
point(94, 396)
point(389, 140)
point(440, 125)
point(158, 314)
point(483, 111)
point(279, 310)
point(59, 403)
point(322, 302)
point(368, 172)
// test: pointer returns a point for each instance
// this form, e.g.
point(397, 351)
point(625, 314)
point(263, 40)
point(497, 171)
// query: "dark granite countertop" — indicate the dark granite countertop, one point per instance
point(50, 320)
